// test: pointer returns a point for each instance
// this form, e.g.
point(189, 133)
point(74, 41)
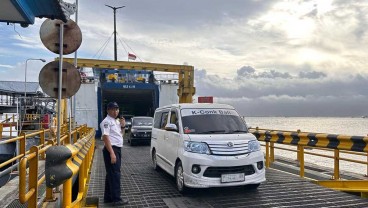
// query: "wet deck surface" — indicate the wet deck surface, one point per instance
point(145, 187)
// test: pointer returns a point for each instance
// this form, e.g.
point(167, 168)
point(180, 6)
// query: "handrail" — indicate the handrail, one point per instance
point(34, 182)
point(84, 167)
point(73, 159)
point(22, 141)
point(354, 145)
point(32, 158)
point(6, 122)
point(22, 144)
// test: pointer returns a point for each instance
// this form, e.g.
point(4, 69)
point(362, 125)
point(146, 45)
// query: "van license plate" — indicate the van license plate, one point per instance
point(226, 178)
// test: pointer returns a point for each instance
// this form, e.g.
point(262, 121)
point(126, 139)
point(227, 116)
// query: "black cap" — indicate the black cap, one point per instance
point(112, 105)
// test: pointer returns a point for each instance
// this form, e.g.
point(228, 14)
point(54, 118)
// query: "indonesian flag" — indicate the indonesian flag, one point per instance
point(131, 56)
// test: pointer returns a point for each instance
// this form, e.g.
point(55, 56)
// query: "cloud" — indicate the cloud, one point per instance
point(299, 106)
point(307, 93)
point(6, 66)
point(250, 72)
point(312, 74)
point(275, 56)
point(246, 71)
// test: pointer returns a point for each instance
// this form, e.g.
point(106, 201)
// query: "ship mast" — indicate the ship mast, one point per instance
point(115, 45)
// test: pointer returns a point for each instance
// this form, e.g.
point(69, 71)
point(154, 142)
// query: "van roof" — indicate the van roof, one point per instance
point(197, 105)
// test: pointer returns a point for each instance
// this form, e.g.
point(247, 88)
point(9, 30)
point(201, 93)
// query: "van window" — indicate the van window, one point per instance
point(164, 120)
point(174, 119)
point(158, 119)
point(212, 122)
point(142, 121)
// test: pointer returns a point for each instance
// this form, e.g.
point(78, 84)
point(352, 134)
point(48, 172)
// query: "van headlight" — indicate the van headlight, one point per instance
point(196, 147)
point(254, 146)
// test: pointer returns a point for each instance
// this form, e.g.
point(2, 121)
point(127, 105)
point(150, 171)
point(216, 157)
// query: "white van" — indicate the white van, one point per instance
point(206, 145)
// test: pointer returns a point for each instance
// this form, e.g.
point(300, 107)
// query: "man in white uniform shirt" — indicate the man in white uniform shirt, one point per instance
point(111, 129)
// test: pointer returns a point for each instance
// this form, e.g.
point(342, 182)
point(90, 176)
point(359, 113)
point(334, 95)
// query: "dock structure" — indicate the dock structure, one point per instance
point(145, 187)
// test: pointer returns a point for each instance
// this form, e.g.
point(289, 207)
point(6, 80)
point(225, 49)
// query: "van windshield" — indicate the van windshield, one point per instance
point(213, 123)
point(142, 121)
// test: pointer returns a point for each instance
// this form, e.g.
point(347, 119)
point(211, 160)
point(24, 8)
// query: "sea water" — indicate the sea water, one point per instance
point(329, 125)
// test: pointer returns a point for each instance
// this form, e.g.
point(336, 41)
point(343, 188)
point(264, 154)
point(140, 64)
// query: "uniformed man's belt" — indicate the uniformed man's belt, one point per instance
point(113, 146)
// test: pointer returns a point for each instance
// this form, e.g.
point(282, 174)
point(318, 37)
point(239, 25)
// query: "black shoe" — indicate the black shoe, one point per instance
point(121, 203)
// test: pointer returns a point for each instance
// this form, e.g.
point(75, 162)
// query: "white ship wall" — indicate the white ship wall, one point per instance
point(168, 94)
point(86, 111)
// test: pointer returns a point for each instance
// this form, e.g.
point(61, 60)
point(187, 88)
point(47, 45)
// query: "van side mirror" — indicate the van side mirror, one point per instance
point(171, 127)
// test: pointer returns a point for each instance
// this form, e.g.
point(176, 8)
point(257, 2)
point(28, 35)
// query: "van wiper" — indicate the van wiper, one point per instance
point(212, 132)
point(237, 131)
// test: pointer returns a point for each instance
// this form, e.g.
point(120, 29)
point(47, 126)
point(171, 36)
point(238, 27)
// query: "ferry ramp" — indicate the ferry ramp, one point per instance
point(145, 187)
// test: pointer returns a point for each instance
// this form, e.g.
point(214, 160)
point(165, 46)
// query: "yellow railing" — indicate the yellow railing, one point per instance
point(30, 117)
point(38, 152)
point(31, 195)
point(84, 149)
point(303, 141)
point(22, 144)
point(42, 134)
point(8, 122)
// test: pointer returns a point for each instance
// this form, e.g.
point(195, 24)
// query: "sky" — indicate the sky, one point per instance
point(266, 58)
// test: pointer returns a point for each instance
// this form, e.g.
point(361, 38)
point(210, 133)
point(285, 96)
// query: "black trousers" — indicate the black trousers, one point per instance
point(112, 180)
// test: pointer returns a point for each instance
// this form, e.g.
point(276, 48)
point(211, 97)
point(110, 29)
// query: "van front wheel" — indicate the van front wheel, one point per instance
point(179, 178)
point(252, 186)
point(154, 160)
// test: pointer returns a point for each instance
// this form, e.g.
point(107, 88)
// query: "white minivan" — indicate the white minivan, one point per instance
point(206, 145)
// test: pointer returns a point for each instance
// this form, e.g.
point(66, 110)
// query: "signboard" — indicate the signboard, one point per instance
point(207, 111)
point(207, 99)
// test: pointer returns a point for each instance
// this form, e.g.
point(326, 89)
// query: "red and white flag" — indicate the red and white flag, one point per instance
point(131, 56)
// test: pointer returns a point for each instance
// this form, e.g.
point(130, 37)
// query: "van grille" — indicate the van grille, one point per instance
point(230, 148)
point(216, 172)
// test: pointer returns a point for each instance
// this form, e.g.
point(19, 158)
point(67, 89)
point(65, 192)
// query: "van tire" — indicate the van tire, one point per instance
point(179, 178)
point(154, 161)
point(252, 186)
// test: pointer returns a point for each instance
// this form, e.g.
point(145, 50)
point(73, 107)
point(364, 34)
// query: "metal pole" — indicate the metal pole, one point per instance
point(18, 129)
point(115, 50)
point(115, 45)
point(61, 45)
point(25, 81)
point(73, 103)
